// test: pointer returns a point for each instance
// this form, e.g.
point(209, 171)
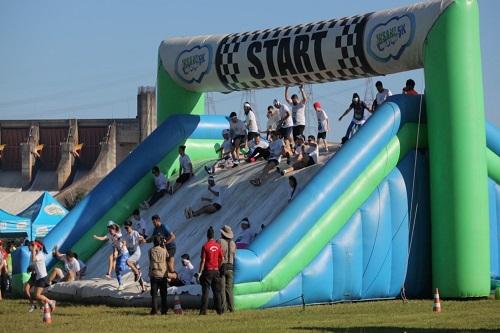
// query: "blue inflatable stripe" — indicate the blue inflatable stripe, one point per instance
point(135, 166)
point(326, 187)
point(367, 258)
point(492, 138)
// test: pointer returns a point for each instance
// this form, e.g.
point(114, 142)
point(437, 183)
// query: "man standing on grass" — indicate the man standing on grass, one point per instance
point(158, 275)
point(211, 262)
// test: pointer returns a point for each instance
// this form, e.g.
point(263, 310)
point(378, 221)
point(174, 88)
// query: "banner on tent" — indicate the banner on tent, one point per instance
point(330, 50)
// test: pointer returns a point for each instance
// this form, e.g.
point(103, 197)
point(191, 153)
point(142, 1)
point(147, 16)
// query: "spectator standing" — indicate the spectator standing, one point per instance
point(382, 94)
point(185, 169)
point(298, 111)
point(158, 274)
point(251, 122)
point(161, 187)
point(228, 247)
point(211, 261)
point(323, 125)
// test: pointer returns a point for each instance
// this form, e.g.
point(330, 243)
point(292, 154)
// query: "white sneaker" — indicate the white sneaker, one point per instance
point(120, 287)
point(32, 308)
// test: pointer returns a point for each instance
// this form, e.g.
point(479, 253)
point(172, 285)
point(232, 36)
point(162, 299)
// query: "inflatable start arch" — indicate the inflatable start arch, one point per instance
point(440, 36)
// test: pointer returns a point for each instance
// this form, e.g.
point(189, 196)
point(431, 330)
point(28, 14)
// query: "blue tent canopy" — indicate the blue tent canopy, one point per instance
point(44, 215)
point(11, 224)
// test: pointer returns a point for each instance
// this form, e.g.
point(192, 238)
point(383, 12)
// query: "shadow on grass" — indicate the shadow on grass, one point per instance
point(389, 330)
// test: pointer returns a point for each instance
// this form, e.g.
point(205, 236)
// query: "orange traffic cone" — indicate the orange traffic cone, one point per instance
point(177, 305)
point(47, 318)
point(437, 303)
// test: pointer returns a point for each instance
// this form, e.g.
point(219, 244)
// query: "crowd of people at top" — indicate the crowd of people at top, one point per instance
point(284, 138)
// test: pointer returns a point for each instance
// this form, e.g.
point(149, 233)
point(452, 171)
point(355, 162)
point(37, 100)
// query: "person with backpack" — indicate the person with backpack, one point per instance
point(228, 247)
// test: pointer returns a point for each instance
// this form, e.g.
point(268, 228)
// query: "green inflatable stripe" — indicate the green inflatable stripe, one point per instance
point(18, 281)
point(457, 139)
point(198, 150)
point(173, 99)
point(331, 222)
point(493, 161)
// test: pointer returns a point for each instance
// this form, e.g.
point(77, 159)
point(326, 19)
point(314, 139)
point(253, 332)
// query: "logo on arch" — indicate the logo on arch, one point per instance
point(388, 40)
point(193, 64)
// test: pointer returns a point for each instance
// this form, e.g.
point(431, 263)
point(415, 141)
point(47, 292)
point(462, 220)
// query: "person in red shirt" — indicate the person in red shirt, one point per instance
point(211, 261)
point(409, 89)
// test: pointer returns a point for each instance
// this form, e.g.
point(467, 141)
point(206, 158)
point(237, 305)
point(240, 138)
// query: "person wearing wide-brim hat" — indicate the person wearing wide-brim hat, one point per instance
point(229, 251)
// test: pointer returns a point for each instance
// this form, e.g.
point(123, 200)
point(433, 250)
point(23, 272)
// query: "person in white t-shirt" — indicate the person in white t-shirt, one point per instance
point(286, 122)
point(113, 236)
point(185, 169)
point(186, 275)
point(71, 270)
point(161, 188)
point(139, 223)
point(224, 152)
point(133, 240)
point(323, 125)
point(245, 236)
point(308, 156)
point(272, 121)
point(38, 261)
point(238, 134)
point(276, 150)
point(298, 111)
point(382, 94)
point(251, 122)
point(257, 148)
point(214, 201)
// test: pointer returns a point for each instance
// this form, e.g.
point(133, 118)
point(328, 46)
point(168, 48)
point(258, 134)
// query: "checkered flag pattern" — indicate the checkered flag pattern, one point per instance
point(349, 61)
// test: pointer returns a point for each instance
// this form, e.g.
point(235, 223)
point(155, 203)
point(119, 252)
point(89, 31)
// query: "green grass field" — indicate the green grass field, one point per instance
point(383, 316)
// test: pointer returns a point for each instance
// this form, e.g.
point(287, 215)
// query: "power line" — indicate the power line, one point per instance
point(66, 93)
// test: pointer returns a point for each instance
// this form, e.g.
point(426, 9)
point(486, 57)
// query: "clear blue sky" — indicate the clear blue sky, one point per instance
point(85, 59)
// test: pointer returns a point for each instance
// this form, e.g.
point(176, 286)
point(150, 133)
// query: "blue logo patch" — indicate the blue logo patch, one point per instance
point(388, 40)
point(192, 65)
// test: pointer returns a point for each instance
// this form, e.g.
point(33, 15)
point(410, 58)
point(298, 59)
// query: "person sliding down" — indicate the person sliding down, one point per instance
point(276, 149)
point(358, 118)
point(161, 185)
point(257, 148)
point(308, 156)
point(213, 204)
point(224, 152)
